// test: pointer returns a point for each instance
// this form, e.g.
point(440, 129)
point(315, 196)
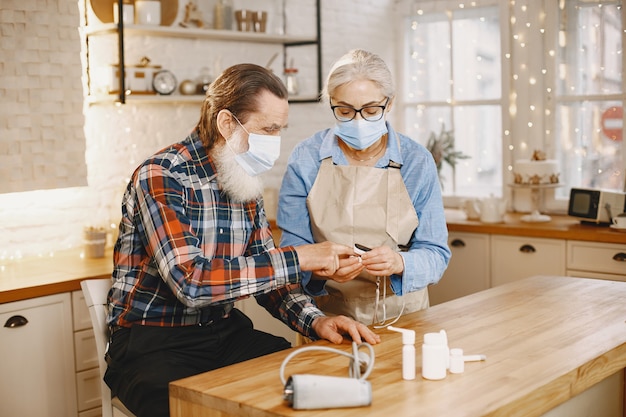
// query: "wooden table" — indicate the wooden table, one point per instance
point(546, 338)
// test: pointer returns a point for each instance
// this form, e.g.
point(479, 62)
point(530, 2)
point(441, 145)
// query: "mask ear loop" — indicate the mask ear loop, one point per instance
point(375, 318)
point(227, 140)
point(382, 324)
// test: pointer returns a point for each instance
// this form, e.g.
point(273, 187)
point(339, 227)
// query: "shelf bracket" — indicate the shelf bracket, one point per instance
point(120, 51)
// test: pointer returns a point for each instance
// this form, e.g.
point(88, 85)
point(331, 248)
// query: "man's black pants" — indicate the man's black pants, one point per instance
point(144, 359)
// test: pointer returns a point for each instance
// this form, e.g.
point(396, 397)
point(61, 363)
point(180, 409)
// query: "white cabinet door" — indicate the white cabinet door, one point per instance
point(468, 270)
point(514, 257)
point(37, 358)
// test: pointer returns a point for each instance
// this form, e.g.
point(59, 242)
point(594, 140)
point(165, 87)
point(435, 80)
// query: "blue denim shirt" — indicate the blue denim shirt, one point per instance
point(428, 254)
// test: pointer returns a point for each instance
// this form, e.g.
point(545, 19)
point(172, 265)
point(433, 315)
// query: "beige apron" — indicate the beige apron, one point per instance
point(371, 206)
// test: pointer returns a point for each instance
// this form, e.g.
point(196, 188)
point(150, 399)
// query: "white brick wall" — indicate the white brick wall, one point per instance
point(41, 124)
point(118, 138)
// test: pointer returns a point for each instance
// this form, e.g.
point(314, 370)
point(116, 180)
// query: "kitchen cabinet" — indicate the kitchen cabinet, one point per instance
point(134, 37)
point(468, 271)
point(596, 260)
point(37, 358)
point(480, 261)
point(88, 396)
point(515, 249)
point(514, 258)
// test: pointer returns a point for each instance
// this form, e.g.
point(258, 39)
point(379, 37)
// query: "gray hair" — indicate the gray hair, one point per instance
point(358, 65)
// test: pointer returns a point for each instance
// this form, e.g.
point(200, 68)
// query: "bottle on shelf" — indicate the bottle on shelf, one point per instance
point(223, 15)
point(291, 81)
point(128, 12)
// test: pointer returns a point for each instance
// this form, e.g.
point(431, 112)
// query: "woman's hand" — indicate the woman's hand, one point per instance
point(383, 261)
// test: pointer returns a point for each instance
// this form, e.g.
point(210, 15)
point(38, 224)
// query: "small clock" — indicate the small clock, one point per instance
point(164, 82)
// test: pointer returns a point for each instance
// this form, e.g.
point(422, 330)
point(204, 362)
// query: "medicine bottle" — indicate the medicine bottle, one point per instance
point(408, 352)
point(457, 361)
point(435, 356)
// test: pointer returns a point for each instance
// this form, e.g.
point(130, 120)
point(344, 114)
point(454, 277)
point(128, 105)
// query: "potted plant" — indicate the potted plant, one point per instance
point(442, 149)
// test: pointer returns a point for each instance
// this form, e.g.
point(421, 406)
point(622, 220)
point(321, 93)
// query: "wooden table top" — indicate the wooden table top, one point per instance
point(546, 338)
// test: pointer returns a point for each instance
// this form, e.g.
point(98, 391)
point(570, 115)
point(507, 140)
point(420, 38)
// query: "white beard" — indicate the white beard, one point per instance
point(232, 178)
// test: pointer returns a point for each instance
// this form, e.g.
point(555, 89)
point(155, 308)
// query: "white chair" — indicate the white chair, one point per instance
point(95, 292)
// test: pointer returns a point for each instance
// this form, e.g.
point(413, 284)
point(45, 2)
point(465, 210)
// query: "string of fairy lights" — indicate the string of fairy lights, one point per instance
point(547, 46)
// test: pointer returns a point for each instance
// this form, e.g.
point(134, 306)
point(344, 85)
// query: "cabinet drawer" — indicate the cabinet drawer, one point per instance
point(80, 312)
point(514, 258)
point(606, 258)
point(468, 270)
point(85, 350)
point(88, 389)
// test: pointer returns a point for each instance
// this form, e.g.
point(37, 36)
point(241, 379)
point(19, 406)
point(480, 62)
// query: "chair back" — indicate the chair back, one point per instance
point(95, 292)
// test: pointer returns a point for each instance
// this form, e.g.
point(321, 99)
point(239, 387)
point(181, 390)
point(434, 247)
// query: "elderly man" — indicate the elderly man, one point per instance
point(194, 238)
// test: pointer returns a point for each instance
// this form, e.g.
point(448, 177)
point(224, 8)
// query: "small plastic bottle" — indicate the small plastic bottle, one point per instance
point(457, 361)
point(408, 352)
point(435, 356)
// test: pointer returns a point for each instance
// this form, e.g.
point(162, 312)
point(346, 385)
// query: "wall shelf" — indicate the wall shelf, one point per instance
point(169, 99)
point(134, 30)
point(195, 33)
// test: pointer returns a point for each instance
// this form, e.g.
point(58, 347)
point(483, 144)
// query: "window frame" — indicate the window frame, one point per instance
point(403, 103)
point(525, 74)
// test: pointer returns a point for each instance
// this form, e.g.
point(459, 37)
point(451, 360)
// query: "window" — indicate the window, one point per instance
point(453, 74)
point(589, 94)
point(509, 78)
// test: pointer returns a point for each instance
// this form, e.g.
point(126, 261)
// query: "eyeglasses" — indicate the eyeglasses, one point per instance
point(369, 113)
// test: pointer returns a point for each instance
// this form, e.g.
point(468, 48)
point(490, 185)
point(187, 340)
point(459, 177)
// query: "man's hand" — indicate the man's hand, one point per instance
point(334, 328)
point(322, 258)
point(349, 268)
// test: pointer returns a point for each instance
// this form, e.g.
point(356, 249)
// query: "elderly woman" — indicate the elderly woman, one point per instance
point(360, 182)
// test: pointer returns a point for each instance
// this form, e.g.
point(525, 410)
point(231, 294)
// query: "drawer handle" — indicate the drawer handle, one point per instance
point(620, 257)
point(457, 243)
point(16, 321)
point(527, 249)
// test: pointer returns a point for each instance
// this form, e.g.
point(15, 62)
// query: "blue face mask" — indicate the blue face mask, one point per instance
point(360, 134)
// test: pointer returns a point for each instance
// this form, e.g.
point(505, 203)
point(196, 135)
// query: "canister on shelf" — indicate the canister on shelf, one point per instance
point(148, 12)
point(128, 12)
point(291, 81)
point(223, 15)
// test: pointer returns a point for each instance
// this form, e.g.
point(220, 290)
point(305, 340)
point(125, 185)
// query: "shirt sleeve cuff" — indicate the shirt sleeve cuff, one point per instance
point(309, 314)
point(313, 287)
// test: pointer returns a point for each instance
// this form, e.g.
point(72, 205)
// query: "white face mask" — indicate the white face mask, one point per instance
point(263, 151)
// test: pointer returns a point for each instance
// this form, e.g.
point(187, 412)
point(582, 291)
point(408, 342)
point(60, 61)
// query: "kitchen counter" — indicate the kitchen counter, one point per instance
point(45, 275)
point(560, 227)
point(31, 277)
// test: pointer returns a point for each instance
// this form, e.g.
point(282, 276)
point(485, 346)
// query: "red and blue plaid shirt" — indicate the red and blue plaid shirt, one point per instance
point(185, 248)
